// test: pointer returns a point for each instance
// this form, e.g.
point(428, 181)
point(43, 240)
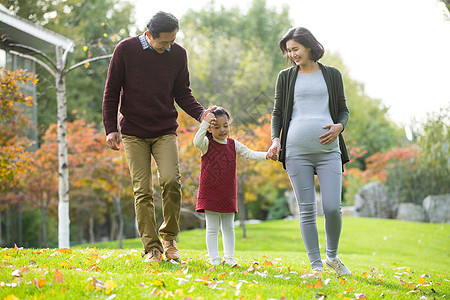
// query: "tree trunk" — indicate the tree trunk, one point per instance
point(242, 211)
point(63, 166)
point(1, 233)
point(80, 231)
point(118, 217)
point(91, 229)
point(19, 224)
point(44, 226)
point(8, 226)
point(113, 228)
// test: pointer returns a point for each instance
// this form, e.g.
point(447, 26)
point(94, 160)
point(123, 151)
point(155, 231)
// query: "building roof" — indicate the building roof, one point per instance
point(14, 29)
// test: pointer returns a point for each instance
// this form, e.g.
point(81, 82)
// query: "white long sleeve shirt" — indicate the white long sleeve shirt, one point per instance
point(202, 143)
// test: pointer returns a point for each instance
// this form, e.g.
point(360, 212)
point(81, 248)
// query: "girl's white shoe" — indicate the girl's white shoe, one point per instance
point(215, 261)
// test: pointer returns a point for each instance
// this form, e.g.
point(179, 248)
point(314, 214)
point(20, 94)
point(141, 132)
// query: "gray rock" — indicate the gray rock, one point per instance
point(373, 201)
point(411, 212)
point(437, 208)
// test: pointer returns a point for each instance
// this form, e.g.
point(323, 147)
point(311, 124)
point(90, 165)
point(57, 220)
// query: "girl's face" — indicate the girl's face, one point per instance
point(298, 53)
point(221, 129)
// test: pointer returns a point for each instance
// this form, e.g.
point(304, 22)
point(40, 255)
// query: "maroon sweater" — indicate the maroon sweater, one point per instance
point(147, 84)
point(217, 190)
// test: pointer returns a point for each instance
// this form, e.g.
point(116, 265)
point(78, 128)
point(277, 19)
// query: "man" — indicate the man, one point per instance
point(147, 75)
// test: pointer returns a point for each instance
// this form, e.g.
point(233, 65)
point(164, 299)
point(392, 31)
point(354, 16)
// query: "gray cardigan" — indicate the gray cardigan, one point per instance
point(284, 102)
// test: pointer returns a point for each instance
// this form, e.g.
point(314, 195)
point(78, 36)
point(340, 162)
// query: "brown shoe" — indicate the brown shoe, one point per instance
point(171, 250)
point(153, 255)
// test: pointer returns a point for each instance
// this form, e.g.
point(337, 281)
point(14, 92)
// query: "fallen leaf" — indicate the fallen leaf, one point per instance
point(64, 251)
point(111, 284)
point(267, 263)
point(59, 277)
point(360, 296)
point(158, 282)
point(178, 273)
point(64, 264)
point(320, 296)
point(318, 284)
point(39, 283)
point(182, 281)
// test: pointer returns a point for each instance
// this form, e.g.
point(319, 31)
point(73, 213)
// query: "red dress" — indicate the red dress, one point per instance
point(217, 189)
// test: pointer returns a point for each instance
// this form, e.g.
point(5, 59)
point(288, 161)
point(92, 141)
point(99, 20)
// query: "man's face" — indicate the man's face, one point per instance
point(163, 42)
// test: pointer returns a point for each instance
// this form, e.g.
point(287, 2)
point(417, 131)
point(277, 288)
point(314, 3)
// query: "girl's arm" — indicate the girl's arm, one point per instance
point(242, 150)
point(200, 139)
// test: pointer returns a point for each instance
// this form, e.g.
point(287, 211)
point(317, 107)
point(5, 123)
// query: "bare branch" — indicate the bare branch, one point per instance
point(36, 51)
point(88, 60)
point(36, 60)
point(64, 58)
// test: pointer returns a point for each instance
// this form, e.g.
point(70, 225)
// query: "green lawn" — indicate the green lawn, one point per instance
point(390, 259)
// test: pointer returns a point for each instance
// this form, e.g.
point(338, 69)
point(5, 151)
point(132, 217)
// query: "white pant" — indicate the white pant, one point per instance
point(226, 222)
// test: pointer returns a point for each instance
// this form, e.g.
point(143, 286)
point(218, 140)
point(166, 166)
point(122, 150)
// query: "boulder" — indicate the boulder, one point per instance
point(411, 212)
point(373, 201)
point(348, 211)
point(437, 208)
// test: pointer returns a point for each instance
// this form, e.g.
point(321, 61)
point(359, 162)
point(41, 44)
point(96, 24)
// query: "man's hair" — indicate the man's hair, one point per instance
point(162, 22)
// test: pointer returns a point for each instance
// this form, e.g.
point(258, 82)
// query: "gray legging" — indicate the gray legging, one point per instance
point(329, 171)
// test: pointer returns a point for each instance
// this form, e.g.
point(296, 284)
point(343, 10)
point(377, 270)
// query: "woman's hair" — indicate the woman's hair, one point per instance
point(162, 22)
point(303, 36)
point(219, 111)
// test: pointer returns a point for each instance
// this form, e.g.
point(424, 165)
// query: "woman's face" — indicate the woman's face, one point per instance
point(221, 129)
point(298, 53)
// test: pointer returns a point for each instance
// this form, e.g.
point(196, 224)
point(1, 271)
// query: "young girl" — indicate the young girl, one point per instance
point(217, 192)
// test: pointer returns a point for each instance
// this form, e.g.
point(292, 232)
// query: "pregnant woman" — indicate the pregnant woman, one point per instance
point(309, 114)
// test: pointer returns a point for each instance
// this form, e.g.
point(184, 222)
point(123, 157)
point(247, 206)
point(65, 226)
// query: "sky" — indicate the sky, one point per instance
point(399, 50)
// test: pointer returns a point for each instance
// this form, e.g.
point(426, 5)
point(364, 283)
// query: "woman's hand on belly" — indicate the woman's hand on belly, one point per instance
point(332, 133)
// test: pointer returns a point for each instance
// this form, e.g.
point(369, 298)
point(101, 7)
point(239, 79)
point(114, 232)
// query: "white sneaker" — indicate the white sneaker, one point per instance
point(230, 260)
point(338, 266)
point(215, 261)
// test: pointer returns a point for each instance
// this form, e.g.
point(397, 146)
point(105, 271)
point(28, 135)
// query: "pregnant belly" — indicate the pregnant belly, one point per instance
point(303, 136)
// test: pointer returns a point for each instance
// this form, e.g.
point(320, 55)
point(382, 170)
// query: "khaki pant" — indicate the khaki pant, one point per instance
point(164, 150)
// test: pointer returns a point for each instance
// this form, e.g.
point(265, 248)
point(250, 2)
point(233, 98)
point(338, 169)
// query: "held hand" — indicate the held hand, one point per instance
point(331, 134)
point(113, 140)
point(210, 117)
point(274, 150)
point(208, 111)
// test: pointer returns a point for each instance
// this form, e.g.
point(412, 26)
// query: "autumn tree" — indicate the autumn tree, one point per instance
point(98, 177)
point(42, 183)
point(14, 157)
point(67, 15)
